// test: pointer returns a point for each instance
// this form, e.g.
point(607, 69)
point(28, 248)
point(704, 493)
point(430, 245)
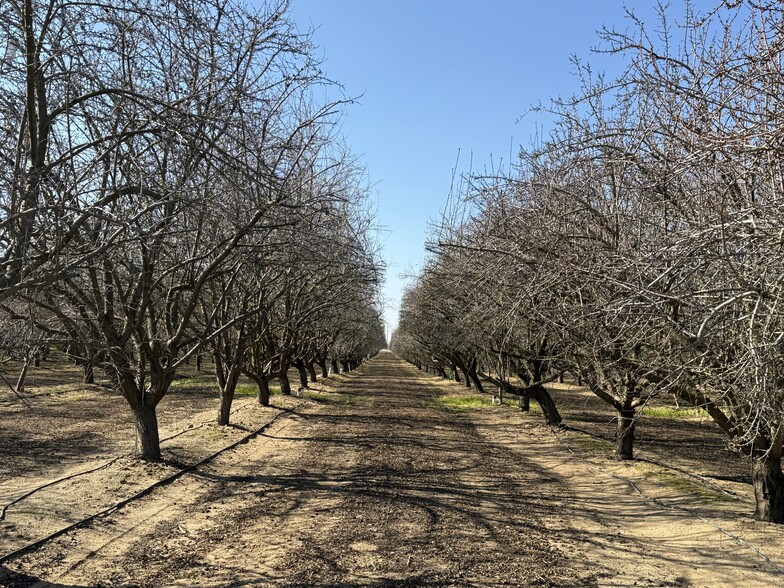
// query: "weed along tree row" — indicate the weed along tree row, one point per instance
point(171, 186)
point(639, 245)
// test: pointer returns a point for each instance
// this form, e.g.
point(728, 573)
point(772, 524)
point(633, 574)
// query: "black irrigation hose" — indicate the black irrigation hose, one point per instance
point(18, 499)
point(29, 493)
point(159, 484)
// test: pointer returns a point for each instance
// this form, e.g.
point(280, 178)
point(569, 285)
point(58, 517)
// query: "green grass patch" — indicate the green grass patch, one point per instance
point(247, 390)
point(672, 412)
point(686, 486)
point(591, 443)
point(467, 402)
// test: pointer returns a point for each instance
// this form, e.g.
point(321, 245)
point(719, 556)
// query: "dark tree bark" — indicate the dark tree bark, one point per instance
point(345, 365)
point(311, 372)
point(303, 374)
point(89, 374)
point(335, 369)
point(20, 382)
point(768, 488)
point(525, 403)
point(455, 373)
point(322, 363)
point(624, 435)
point(475, 377)
point(224, 414)
point(285, 385)
point(228, 374)
point(263, 394)
point(148, 444)
point(546, 402)
point(768, 480)
point(198, 362)
point(89, 366)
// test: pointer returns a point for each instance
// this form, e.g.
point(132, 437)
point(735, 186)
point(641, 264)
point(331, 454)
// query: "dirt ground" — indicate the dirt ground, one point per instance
point(372, 481)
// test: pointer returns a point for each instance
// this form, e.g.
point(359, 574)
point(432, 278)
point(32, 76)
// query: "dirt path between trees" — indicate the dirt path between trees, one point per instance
point(379, 486)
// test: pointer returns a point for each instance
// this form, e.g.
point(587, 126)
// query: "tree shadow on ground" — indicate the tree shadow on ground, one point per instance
point(12, 579)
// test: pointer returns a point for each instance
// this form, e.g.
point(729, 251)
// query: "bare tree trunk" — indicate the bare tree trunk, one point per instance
point(546, 402)
point(624, 436)
point(89, 369)
point(322, 363)
point(89, 374)
point(20, 382)
point(345, 366)
point(474, 377)
point(311, 372)
point(148, 445)
point(224, 414)
point(285, 385)
point(198, 362)
point(768, 489)
point(263, 395)
point(525, 402)
point(455, 373)
point(227, 396)
point(335, 369)
point(303, 374)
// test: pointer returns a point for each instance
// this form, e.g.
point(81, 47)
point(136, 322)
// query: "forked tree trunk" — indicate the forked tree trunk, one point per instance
point(624, 435)
point(311, 372)
point(228, 390)
point(263, 394)
point(768, 489)
point(467, 378)
point(148, 445)
point(455, 373)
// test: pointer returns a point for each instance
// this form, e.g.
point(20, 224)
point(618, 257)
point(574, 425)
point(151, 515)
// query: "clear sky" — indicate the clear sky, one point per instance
point(442, 78)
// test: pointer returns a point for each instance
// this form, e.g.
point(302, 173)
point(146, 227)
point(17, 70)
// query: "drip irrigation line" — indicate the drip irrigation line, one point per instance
point(159, 484)
point(29, 493)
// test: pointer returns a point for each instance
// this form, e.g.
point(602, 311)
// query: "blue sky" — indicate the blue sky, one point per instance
point(440, 79)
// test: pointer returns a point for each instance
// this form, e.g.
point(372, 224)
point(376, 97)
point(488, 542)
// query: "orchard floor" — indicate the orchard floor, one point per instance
point(376, 482)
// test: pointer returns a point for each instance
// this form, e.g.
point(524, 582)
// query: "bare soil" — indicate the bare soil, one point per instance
point(371, 482)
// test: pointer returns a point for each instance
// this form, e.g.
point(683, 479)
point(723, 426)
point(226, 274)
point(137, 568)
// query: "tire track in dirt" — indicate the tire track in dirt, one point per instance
point(381, 487)
point(377, 486)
